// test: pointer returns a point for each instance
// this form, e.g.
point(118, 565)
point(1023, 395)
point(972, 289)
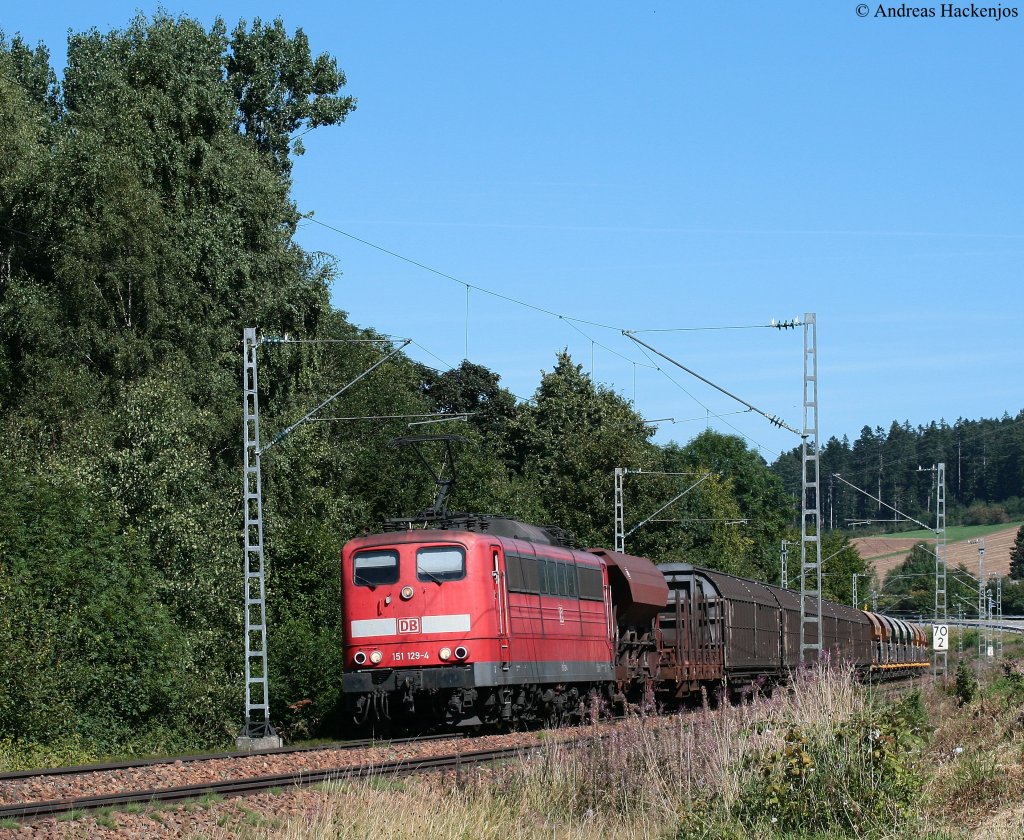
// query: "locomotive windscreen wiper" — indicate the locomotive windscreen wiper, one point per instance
point(359, 580)
point(431, 575)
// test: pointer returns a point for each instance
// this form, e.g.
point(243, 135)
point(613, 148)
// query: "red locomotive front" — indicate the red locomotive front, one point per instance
point(417, 600)
point(457, 625)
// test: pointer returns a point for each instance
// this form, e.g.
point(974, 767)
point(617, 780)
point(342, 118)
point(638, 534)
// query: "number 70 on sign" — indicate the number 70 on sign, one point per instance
point(940, 637)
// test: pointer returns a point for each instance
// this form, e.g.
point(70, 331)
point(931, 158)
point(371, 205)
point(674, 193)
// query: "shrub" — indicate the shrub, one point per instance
point(966, 686)
point(849, 779)
point(981, 513)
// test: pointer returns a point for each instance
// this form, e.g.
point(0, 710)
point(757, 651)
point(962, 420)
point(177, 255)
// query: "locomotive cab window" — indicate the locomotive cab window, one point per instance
point(373, 568)
point(440, 563)
point(591, 583)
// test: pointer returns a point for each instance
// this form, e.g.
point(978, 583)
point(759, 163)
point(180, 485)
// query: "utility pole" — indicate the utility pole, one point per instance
point(620, 516)
point(982, 607)
point(258, 732)
point(810, 502)
point(999, 617)
point(784, 565)
point(989, 647)
point(854, 598)
point(940, 559)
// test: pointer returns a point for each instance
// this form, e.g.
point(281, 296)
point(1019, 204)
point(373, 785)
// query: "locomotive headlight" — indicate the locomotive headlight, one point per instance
point(444, 654)
point(376, 657)
point(461, 652)
point(359, 658)
point(406, 593)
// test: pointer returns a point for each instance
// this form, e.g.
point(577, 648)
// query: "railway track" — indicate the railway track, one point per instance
point(241, 786)
point(341, 746)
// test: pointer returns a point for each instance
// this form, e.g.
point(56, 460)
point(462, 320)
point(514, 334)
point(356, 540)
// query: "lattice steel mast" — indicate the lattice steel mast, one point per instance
point(810, 519)
point(982, 605)
point(810, 502)
point(620, 516)
point(257, 688)
point(999, 617)
point(941, 607)
point(258, 731)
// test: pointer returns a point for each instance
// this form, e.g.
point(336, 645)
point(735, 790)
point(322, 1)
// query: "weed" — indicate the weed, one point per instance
point(253, 818)
point(12, 824)
point(386, 783)
point(966, 686)
point(911, 709)
point(105, 817)
point(841, 779)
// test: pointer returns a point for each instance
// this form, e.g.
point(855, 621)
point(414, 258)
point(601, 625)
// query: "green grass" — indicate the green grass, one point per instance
point(10, 824)
point(386, 783)
point(254, 818)
point(956, 533)
point(105, 817)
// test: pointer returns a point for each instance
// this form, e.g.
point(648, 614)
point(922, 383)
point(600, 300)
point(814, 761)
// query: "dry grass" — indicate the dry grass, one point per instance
point(977, 760)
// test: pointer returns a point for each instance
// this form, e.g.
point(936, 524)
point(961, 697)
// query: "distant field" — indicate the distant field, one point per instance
point(886, 551)
point(953, 534)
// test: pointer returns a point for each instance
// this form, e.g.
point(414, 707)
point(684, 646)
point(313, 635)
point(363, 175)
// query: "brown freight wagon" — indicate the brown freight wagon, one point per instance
point(719, 631)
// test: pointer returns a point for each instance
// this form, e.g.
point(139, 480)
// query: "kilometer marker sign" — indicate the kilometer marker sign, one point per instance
point(940, 637)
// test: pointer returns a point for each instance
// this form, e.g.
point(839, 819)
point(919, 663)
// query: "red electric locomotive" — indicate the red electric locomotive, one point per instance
point(491, 620)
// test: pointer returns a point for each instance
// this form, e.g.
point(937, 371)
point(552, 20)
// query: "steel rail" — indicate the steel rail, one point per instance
point(339, 746)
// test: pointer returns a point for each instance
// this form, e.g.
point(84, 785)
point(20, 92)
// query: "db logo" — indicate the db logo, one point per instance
point(408, 625)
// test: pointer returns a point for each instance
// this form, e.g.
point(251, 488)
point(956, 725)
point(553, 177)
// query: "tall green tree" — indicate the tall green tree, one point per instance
point(1017, 556)
point(144, 221)
point(568, 444)
point(758, 493)
point(473, 390)
point(840, 560)
point(91, 653)
point(279, 88)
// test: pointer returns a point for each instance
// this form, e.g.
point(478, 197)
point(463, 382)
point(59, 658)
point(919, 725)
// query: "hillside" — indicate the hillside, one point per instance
point(885, 552)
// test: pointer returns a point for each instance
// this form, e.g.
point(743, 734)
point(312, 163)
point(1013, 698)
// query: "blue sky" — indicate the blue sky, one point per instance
point(672, 166)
